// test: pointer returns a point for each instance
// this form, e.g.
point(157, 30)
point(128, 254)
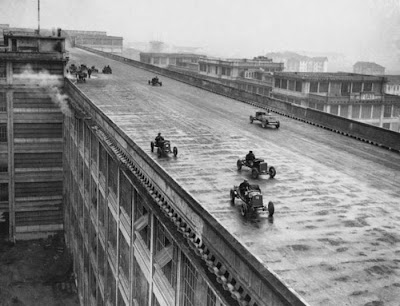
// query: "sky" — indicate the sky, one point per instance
point(361, 29)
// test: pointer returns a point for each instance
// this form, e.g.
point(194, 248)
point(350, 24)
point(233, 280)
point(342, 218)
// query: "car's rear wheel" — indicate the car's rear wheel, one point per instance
point(175, 151)
point(254, 173)
point(239, 165)
point(271, 209)
point(243, 210)
point(272, 172)
point(232, 196)
point(159, 152)
point(278, 125)
point(152, 146)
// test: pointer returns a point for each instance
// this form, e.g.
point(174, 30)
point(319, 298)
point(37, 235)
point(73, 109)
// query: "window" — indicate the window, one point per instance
point(278, 83)
point(292, 85)
point(3, 192)
point(189, 282)
point(345, 89)
point(356, 87)
point(323, 87)
point(387, 112)
point(125, 195)
point(313, 86)
point(356, 112)
point(3, 102)
point(334, 109)
point(386, 126)
point(368, 86)
point(376, 111)
point(2, 70)
point(299, 86)
point(3, 132)
point(284, 84)
point(344, 110)
point(211, 298)
point(366, 111)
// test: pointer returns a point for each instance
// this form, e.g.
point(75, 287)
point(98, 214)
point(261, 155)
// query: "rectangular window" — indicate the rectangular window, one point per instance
point(292, 85)
point(284, 84)
point(345, 89)
point(356, 112)
point(356, 87)
point(299, 86)
point(124, 255)
point(2, 70)
point(313, 86)
point(386, 126)
point(323, 87)
point(189, 282)
point(211, 298)
point(3, 192)
point(112, 232)
point(112, 177)
point(3, 132)
point(140, 286)
point(387, 112)
point(125, 195)
point(366, 111)
point(278, 83)
point(142, 212)
point(344, 111)
point(376, 111)
point(3, 102)
point(367, 86)
point(334, 109)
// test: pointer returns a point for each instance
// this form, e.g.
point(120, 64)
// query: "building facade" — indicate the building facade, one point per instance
point(31, 75)
point(392, 86)
point(98, 40)
point(300, 63)
point(368, 68)
point(184, 61)
point(349, 95)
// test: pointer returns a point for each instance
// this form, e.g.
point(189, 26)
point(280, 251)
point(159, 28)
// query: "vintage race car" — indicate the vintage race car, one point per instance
point(163, 148)
point(155, 81)
point(265, 119)
point(252, 200)
point(257, 166)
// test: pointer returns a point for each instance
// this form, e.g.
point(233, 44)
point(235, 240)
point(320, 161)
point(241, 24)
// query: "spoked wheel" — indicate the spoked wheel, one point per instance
point(272, 172)
point(232, 196)
point(271, 209)
point(159, 152)
point(175, 151)
point(239, 165)
point(152, 146)
point(254, 173)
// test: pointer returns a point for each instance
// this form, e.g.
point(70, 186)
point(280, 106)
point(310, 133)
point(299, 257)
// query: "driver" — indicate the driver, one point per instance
point(250, 157)
point(244, 189)
point(159, 140)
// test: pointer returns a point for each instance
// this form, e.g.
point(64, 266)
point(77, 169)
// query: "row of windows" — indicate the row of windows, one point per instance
point(90, 205)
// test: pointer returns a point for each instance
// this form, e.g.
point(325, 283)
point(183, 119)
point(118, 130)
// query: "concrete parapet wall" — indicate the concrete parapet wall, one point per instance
point(262, 284)
point(365, 132)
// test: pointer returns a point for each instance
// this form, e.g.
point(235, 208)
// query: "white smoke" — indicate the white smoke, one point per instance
point(50, 83)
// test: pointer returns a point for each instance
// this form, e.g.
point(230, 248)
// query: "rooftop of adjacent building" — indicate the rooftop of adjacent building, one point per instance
point(330, 76)
point(393, 79)
point(368, 64)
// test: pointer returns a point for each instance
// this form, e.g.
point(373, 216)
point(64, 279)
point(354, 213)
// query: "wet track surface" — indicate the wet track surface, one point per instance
point(335, 234)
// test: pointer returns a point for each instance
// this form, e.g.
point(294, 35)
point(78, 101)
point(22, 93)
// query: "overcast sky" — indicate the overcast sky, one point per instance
point(367, 29)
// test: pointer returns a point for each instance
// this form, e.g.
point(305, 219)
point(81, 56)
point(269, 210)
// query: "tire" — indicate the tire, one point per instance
point(175, 151)
point(148, 82)
point(272, 172)
point(239, 165)
point(232, 196)
point(243, 210)
point(152, 146)
point(254, 173)
point(271, 209)
point(277, 125)
point(251, 119)
point(159, 152)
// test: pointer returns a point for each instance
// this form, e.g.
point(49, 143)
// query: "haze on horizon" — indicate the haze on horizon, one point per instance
point(367, 30)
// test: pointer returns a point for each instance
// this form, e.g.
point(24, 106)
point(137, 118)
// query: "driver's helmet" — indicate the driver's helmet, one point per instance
point(159, 134)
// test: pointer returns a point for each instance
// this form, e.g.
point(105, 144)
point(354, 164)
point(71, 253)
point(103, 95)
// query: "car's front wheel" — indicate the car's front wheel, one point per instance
point(239, 165)
point(232, 196)
point(278, 125)
point(271, 209)
point(175, 151)
point(152, 146)
point(272, 172)
point(251, 119)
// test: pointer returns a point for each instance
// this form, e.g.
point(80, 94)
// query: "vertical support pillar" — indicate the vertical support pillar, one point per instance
point(152, 244)
point(11, 172)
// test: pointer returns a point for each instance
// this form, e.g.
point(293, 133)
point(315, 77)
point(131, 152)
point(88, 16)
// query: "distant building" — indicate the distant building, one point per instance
point(392, 86)
point(349, 95)
point(234, 69)
point(368, 68)
point(98, 40)
point(300, 63)
point(186, 61)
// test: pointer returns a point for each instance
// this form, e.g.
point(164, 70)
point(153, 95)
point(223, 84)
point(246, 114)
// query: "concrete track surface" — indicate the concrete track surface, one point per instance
point(335, 234)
